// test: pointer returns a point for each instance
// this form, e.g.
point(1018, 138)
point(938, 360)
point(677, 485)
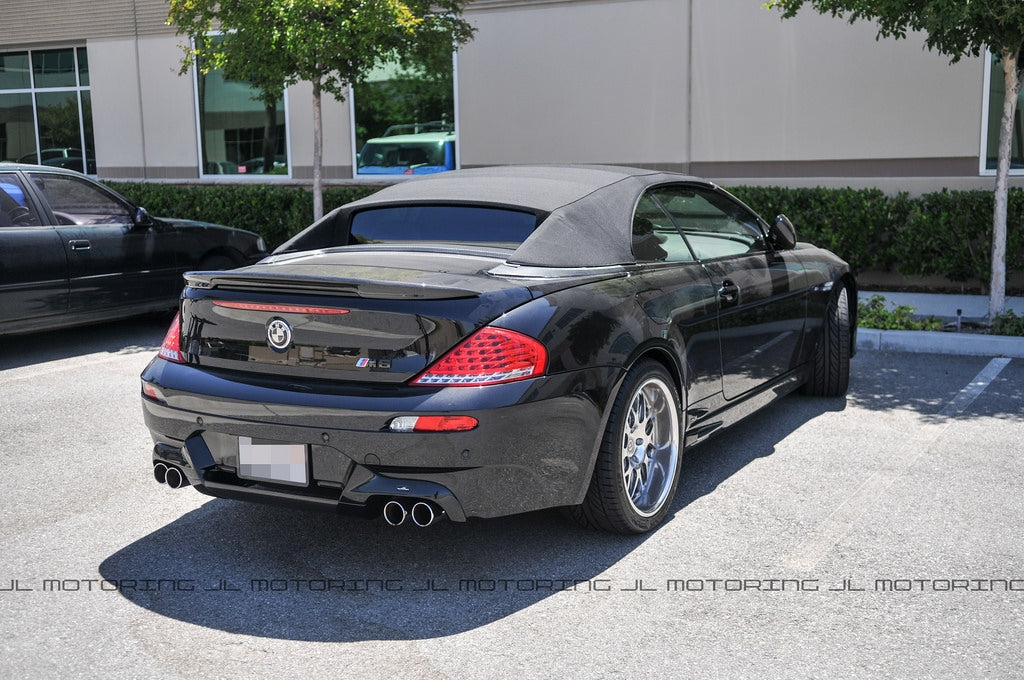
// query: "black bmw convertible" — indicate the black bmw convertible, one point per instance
point(493, 341)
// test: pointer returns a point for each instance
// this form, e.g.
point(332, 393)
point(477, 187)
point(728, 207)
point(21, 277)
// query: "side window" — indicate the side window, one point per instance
point(15, 208)
point(713, 224)
point(75, 201)
point(655, 237)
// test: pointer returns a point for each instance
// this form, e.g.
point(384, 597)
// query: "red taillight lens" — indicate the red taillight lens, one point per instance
point(171, 347)
point(152, 392)
point(488, 357)
point(433, 424)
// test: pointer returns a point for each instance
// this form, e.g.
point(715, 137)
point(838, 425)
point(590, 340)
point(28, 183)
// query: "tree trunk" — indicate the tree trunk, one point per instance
point(997, 286)
point(318, 142)
point(204, 166)
point(269, 149)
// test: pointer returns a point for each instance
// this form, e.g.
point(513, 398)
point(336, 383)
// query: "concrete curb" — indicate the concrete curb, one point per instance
point(972, 307)
point(938, 342)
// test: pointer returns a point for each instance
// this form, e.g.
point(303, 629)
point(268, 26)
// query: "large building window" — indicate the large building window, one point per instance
point(994, 115)
point(404, 121)
point(238, 133)
point(46, 109)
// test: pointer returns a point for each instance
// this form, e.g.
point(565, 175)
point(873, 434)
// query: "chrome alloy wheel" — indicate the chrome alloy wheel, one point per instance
point(650, 446)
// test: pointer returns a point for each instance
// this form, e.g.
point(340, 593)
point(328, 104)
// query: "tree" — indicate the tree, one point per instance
point(954, 28)
point(330, 43)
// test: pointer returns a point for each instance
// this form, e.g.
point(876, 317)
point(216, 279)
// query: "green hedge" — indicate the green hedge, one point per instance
point(944, 233)
point(951, 233)
point(273, 211)
point(856, 224)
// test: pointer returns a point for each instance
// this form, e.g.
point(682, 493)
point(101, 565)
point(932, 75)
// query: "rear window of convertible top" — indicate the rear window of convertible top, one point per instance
point(442, 223)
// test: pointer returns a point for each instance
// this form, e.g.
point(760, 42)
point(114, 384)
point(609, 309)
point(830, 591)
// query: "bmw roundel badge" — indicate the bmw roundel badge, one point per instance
point(279, 335)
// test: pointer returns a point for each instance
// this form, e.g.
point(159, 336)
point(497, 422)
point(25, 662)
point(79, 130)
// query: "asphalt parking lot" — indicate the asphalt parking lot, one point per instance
point(880, 535)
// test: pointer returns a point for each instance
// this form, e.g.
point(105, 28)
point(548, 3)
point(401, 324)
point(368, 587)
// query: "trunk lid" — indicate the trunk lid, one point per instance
point(353, 314)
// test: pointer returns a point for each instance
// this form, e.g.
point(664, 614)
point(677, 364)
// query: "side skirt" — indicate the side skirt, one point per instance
point(705, 424)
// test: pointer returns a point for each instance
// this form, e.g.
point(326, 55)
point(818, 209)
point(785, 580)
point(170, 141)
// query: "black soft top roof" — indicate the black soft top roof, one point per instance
point(585, 212)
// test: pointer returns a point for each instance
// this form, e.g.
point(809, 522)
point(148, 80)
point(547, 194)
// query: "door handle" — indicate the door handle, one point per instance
point(79, 244)
point(728, 292)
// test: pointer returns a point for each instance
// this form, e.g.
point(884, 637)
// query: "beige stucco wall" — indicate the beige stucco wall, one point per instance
point(145, 125)
point(610, 81)
point(584, 81)
point(816, 87)
point(116, 107)
point(811, 100)
point(337, 131)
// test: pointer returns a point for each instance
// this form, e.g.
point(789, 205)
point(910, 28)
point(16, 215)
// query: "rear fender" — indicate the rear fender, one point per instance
point(582, 330)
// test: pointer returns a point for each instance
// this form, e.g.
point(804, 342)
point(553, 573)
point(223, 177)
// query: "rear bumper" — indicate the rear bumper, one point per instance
point(364, 492)
point(534, 446)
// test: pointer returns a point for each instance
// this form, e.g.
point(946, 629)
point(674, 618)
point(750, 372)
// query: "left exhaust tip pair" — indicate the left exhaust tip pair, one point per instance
point(170, 475)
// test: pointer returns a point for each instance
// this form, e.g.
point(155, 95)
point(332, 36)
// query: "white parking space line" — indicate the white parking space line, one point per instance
point(831, 531)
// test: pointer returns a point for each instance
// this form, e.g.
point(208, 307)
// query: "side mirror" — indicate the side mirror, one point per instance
point(142, 218)
point(782, 234)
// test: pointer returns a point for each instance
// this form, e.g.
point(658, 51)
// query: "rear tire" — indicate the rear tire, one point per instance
point(637, 469)
point(830, 371)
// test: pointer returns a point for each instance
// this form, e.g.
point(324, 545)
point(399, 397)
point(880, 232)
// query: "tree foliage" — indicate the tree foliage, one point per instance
point(276, 43)
point(330, 43)
point(954, 28)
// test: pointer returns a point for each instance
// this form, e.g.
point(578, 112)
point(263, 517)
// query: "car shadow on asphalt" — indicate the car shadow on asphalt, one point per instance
point(301, 575)
point(138, 334)
point(298, 575)
point(708, 464)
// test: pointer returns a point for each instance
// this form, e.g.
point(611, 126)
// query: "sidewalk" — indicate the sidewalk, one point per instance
point(945, 307)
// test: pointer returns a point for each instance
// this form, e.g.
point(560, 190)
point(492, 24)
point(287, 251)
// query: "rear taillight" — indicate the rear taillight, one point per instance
point(171, 347)
point(152, 392)
point(433, 424)
point(488, 357)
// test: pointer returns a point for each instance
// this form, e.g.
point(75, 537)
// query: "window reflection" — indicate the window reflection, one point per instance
point(17, 131)
point(240, 135)
point(405, 121)
point(997, 92)
point(46, 108)
point(14, 73)
point(54, 68)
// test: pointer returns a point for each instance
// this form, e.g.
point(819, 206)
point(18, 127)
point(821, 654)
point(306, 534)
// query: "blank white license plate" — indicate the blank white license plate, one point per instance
point(269, 461)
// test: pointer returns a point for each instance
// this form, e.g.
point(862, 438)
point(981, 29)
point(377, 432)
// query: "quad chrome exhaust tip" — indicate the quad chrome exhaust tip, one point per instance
point(394, 513)
point(422, 513)
point(169, 475)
